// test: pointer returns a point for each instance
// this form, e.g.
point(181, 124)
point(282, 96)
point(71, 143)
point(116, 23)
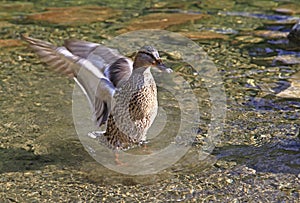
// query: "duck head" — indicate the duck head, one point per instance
point(148, 56)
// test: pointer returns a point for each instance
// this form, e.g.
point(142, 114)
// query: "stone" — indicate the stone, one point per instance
point(10, 43)
point(290, 9)
point(204, 35)
point(160, 21)
point(74, 15)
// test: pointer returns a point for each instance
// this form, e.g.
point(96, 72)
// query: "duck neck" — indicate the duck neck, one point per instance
point(141, 68)
point(137, 63)
point(140, 61)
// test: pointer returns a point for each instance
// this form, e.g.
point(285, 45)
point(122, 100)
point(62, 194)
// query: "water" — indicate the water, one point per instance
point(257, 152)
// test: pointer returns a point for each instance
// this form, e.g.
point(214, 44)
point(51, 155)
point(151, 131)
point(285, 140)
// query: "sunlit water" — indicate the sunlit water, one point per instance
point(261, 129)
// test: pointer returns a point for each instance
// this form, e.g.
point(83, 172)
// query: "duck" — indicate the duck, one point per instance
point(122, 93)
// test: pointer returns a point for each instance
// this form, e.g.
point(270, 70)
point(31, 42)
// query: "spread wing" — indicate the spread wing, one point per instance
point(115, 67)
point(97, 87)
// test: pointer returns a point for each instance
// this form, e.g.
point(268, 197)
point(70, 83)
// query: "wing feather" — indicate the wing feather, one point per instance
point(96, 86)
point(115, 67)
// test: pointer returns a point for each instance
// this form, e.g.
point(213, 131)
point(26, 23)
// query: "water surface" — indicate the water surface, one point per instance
point(257, 156)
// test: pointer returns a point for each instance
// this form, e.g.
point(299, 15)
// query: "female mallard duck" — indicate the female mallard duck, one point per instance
point(121, 93)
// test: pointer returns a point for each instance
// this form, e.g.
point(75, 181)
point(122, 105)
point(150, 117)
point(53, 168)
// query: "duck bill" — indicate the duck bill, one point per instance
point(164, 68)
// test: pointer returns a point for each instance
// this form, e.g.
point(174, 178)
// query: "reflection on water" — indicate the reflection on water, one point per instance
point(246, 41)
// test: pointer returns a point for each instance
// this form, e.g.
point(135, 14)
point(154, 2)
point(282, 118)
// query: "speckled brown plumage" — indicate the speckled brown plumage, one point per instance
point(133, 112)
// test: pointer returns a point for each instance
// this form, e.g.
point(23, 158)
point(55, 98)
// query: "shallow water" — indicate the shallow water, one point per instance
point(256, 154)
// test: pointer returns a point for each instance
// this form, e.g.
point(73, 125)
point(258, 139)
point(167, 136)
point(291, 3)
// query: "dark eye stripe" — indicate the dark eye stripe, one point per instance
point(151, 55)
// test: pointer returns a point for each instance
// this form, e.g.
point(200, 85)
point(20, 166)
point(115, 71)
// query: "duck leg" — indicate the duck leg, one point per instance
point(118, 161)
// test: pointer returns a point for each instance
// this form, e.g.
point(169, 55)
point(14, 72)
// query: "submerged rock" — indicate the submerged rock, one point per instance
point(269, 34)
point(286, 60)
point(16, 7)
point(10, 43)
point(290, 9)
point(160, 21)
point(204, 35)
point(294, 90)
point(74, 15)
point(294, 35)
point(249, 39)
